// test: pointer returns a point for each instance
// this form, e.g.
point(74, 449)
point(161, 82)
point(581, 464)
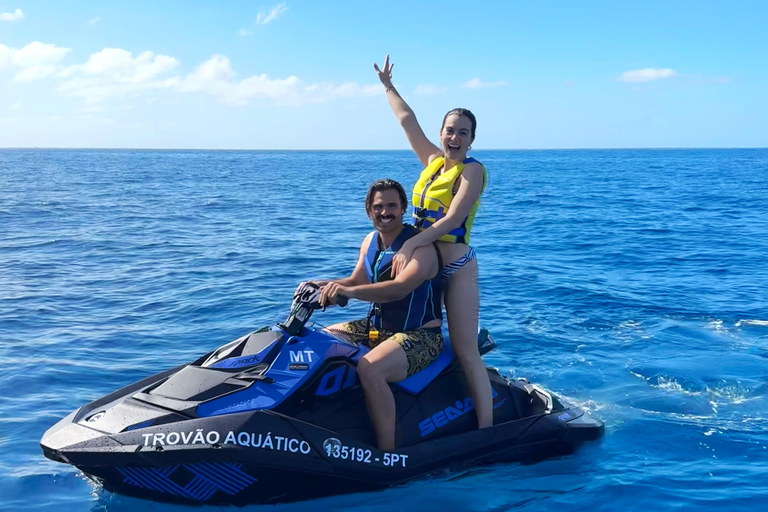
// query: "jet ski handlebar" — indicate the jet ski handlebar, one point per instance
point(306, 299)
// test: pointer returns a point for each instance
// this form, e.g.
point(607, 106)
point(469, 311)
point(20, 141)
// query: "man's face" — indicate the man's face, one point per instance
point(386, 211)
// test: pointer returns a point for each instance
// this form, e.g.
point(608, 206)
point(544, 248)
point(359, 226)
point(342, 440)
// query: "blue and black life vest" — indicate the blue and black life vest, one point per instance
point(422, 305)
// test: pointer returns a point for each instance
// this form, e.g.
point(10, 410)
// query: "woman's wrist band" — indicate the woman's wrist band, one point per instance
point(390, 88)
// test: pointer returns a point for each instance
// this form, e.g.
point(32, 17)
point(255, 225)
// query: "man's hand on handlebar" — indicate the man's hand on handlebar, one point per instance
point(332, 294)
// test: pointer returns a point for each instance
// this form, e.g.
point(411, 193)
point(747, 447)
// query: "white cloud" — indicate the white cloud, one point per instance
point(16, 106)
point(115, 72)
point(119, 65)
point(35, 60)
point(347, 90)
point(244, 32)
point(646, 75)
point(94, 21)
point(35, 73)
point(477, 83)
point(274, 12)
point(428, 89)
point(16, 15)
point(217, 68)
point(95, 90)
point(37, 53)
point(216, 78)
point(93, 109)
point(6, 57)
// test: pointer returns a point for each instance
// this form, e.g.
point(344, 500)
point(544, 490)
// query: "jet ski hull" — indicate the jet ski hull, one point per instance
point(279, 415)
point(268, 457)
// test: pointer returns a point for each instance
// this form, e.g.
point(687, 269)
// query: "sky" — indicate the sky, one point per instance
point(299, 74)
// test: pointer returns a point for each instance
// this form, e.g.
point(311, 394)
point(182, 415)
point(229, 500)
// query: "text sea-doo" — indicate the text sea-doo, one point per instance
point(279, 415)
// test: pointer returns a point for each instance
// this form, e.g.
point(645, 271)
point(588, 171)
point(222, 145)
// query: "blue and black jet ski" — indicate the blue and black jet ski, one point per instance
point(279, 415)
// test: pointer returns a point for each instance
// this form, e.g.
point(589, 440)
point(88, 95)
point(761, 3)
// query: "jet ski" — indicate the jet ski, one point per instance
point(279, 415)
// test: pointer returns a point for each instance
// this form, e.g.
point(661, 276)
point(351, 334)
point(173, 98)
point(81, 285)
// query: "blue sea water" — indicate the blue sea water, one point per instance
point(632, 282)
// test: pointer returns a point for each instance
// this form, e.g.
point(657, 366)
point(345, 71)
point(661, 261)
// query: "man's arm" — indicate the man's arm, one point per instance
point(421, 267)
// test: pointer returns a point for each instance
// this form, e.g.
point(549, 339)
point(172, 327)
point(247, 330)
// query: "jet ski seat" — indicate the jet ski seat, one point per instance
point(418, 381)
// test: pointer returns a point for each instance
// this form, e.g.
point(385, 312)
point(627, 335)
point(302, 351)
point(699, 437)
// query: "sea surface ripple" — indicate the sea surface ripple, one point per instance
point(632, 282)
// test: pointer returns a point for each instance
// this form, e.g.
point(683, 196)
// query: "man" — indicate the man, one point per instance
point(403, 328)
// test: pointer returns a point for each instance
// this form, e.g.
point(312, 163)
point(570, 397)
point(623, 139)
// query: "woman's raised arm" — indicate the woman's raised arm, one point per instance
point(424, 149)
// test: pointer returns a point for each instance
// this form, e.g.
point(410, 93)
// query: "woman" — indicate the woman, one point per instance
point(445, 199)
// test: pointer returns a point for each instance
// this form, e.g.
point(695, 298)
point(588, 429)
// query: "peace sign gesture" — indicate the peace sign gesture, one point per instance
point(385, 74)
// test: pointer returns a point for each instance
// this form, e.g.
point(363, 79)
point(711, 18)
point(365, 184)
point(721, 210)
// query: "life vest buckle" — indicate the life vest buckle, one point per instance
point(420, 216)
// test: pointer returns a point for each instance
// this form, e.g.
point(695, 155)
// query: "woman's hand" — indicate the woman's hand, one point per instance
point(401, 259)
point(329, 292)
point(419, 142)
point(385, 73)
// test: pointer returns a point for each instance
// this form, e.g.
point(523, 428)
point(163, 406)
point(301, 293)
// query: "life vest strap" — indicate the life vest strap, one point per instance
point(459, 232)
point(438, 214)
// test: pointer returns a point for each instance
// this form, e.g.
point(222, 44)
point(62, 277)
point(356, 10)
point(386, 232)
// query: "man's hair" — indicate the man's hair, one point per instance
point(380, 186)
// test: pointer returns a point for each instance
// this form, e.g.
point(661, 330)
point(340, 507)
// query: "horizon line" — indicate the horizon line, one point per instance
point(84, 148)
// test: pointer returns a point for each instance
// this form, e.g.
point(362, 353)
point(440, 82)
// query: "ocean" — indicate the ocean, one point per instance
point(631, 282)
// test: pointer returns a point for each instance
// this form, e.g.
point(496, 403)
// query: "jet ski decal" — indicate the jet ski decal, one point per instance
point(202, 479)
point(337, 379)
point(267, 442)
point(450, 413)
point(335, 449)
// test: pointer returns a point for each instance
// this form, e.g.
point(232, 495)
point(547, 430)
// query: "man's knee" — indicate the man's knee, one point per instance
point(369, 372)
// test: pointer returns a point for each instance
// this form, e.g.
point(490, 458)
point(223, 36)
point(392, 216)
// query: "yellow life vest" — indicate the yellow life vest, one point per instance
point(432, 196)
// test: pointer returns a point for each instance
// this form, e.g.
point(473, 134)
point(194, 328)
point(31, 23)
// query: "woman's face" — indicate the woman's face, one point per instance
point(456, 136)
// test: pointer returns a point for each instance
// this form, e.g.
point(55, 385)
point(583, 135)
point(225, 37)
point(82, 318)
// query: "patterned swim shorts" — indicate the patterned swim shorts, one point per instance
point(421, 345)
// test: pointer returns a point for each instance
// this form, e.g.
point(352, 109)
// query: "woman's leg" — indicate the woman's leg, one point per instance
point(462, 305)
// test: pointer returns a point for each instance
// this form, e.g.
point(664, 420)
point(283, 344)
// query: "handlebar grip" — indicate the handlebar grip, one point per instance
point(341, 300)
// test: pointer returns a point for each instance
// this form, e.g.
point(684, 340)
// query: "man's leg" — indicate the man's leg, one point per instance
point(385, 363)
